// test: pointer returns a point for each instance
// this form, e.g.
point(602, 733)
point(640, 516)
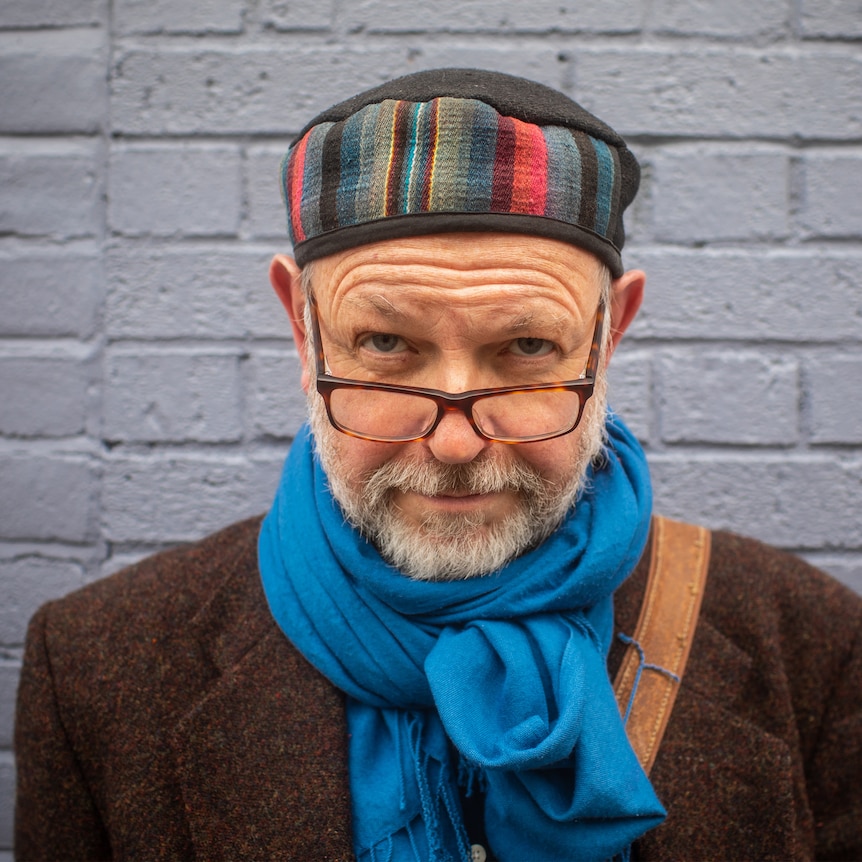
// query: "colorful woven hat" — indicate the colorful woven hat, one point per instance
point(457, 150)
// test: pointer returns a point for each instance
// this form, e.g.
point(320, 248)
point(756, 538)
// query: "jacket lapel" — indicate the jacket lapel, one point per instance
point(261, 757)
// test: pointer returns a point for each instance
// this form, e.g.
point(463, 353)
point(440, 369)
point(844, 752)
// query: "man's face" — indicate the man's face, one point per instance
point(456, 312)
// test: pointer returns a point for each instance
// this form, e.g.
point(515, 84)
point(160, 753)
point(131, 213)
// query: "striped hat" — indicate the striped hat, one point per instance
point(457, 150)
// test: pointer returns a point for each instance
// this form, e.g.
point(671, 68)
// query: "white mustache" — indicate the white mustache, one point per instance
point(431, 478)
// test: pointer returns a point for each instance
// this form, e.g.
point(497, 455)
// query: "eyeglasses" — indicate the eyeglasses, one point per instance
point(386, 413)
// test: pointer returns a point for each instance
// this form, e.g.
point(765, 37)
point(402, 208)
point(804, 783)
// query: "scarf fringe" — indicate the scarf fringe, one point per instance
point(437, 802)
point(471, 777)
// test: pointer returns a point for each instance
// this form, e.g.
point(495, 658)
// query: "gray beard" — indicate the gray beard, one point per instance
point(447, 547)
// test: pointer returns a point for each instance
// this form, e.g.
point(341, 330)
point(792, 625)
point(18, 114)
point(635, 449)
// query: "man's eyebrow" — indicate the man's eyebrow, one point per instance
point(378, 303)
point(522, 321)
point(557, 323)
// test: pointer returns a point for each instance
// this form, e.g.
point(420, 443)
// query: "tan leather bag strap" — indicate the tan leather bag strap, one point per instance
point(664, 633)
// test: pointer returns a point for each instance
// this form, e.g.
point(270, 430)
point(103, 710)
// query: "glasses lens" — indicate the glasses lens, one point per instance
point(528, 415)
point(382, 415)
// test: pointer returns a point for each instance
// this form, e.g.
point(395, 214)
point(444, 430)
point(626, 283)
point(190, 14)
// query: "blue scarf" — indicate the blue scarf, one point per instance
point(510, 667)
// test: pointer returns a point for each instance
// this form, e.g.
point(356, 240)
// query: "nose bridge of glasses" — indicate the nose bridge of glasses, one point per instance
point(452, 405)
point(455, 437)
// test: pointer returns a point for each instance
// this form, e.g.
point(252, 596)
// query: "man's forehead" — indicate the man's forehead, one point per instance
point(460, 260)
point(521, 281)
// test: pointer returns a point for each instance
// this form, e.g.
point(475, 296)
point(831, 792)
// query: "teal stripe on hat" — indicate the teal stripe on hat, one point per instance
point(420, 156)
point(604, 186)
point(312, 180)
point(410, 146)
point(483, 146)
point(351, 169)
point(563, 200)
point(616, 192)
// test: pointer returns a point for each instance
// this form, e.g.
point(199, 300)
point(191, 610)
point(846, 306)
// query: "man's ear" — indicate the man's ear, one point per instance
point(627, 293)
point(284, 276)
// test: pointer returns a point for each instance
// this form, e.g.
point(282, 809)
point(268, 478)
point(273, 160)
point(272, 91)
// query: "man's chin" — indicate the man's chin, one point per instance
point(451, 547)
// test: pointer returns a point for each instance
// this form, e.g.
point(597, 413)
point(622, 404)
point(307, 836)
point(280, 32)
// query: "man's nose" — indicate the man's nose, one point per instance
point(454, 441)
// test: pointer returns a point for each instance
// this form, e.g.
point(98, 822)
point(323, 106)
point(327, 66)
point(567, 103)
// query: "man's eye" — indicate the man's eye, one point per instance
point(531, 347)
point(384, 342)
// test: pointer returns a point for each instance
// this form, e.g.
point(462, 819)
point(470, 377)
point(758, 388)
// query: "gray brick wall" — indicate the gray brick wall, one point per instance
point(147, 375)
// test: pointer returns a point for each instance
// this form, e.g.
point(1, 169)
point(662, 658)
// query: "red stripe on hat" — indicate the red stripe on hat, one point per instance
point(295, 173)
point(504, 166)
point(530, 181)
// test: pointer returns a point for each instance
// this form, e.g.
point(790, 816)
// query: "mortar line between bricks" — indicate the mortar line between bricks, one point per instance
point(274, 138)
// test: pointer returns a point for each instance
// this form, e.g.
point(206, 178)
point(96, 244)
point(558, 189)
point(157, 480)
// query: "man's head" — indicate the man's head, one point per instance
point(492, 293)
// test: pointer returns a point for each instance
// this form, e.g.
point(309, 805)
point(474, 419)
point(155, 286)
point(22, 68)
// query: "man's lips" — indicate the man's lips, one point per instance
point(454, 500)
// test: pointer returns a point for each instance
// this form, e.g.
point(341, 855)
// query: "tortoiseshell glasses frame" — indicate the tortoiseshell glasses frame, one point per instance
point(462, 402)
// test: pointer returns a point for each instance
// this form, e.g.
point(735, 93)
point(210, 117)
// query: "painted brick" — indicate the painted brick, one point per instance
point(178, 16)
point(544, 63)
point(48, 497)
point(840, 19)
point(50, 188)
point(50, 13)
point(286, 15)
point(703, 195)
point(167, 189)
point(833, 195)
point(722, 93)
point(542, 16)
point(737, 18)
point(638, 216)
point(200, 292)
point(28, 582)
point(201, 403)
point(9, 673)
point(711, 294)
point(741, 397)
point(53, 81)
point(182, 498)
point(827, 106)
point(847, 569)
point(276, 402)
point(118, 562)
point(7, 796)
point(50, 292)
point(802, 502)
point(44, 395)
point(630, 383)
point(271, 91)
point(833, 384)
point(276, 91)
point(266, 216)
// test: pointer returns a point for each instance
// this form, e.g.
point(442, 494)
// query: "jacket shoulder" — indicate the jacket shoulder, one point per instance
point(162, 592)
point(767, 723)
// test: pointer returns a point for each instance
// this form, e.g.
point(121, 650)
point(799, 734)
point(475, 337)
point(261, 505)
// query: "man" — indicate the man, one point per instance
point(412, 656)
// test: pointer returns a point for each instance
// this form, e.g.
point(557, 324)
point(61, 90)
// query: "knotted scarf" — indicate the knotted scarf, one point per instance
point(510, 668)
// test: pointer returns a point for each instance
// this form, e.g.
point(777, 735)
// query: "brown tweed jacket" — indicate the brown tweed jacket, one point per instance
point(162, 715)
